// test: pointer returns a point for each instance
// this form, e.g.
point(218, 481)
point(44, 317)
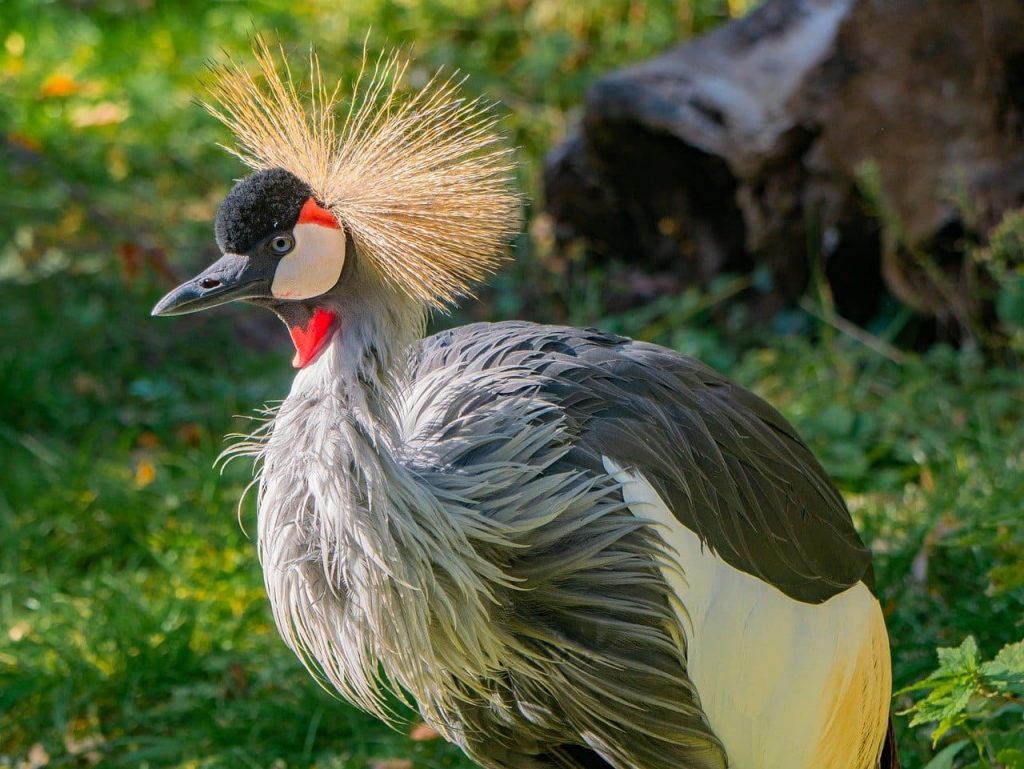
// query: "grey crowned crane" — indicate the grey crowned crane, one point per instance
point(571, 549)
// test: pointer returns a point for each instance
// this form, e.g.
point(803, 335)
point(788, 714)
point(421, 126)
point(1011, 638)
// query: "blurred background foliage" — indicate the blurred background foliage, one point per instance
point(133, 627)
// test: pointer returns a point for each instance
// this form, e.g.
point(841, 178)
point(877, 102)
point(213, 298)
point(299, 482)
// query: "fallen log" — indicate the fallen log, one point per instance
point(867, 141)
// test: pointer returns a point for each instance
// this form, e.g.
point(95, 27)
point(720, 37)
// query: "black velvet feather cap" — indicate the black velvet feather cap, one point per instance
point(259, 205)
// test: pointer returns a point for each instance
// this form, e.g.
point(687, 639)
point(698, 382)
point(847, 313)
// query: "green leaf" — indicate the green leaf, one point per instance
point(1007, 663)
point(1010, 302)
point(1005, 673)
point(944, 758)
point(962, 659)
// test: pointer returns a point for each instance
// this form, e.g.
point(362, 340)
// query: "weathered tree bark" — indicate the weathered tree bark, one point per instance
point(858, 135)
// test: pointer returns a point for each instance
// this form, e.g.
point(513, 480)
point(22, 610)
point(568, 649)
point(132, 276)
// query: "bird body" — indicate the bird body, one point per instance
point(567, 566)
point(570, 548)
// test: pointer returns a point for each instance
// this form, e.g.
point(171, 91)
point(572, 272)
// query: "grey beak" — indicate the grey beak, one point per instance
point(233, 276)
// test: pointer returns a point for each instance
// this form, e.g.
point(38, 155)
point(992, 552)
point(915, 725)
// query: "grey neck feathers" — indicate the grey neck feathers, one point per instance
point(366, 561)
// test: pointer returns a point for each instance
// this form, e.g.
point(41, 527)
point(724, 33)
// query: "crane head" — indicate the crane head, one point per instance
point(281, 247)
point(413, 188)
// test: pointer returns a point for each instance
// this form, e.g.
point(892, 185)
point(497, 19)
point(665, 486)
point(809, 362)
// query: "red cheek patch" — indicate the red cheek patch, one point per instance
point(309, 341)
point(313, 213)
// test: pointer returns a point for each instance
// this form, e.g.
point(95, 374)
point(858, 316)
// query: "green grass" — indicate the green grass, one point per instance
point(134, 631)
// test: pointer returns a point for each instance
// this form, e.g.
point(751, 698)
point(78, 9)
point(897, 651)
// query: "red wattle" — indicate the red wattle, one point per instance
point(309, 341)
point(313, 213)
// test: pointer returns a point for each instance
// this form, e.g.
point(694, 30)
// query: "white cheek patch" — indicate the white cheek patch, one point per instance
point(313, 266)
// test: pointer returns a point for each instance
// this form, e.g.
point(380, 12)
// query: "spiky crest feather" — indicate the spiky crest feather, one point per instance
point(421, 181)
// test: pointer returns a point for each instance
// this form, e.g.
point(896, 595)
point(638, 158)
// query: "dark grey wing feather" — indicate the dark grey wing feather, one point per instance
point(730, 466)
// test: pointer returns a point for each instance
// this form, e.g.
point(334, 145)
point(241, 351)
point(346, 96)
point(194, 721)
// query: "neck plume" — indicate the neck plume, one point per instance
point(354, 536)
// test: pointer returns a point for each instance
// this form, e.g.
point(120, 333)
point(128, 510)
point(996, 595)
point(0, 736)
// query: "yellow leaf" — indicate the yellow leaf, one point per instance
point(58, 86)
point(104, 113)
point(85, 746)
point(37, 757)
point(145, 473)
point(392, 763)
point(15, 44)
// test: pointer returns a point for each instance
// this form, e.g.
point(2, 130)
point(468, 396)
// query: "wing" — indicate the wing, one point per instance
point(730, 467)
point(658, 434)
point(593, 669)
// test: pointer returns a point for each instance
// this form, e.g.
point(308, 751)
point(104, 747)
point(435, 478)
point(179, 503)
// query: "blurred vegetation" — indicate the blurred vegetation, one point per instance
point(991, 314)
point(133, 627)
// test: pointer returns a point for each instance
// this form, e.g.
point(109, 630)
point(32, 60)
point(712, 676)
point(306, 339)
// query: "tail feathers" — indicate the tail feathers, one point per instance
point(890, 756)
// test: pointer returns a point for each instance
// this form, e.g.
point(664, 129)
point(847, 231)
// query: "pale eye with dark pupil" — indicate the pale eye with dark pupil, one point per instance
point(282, 244)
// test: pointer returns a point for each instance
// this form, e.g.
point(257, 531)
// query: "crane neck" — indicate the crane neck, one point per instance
point(369, 559)
point(362, 369)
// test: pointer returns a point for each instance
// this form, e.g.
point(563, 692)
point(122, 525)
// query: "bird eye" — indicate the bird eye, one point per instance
point(282, 244)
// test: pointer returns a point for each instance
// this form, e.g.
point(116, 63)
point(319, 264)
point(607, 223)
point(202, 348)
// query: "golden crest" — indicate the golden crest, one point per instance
point(420, 180)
